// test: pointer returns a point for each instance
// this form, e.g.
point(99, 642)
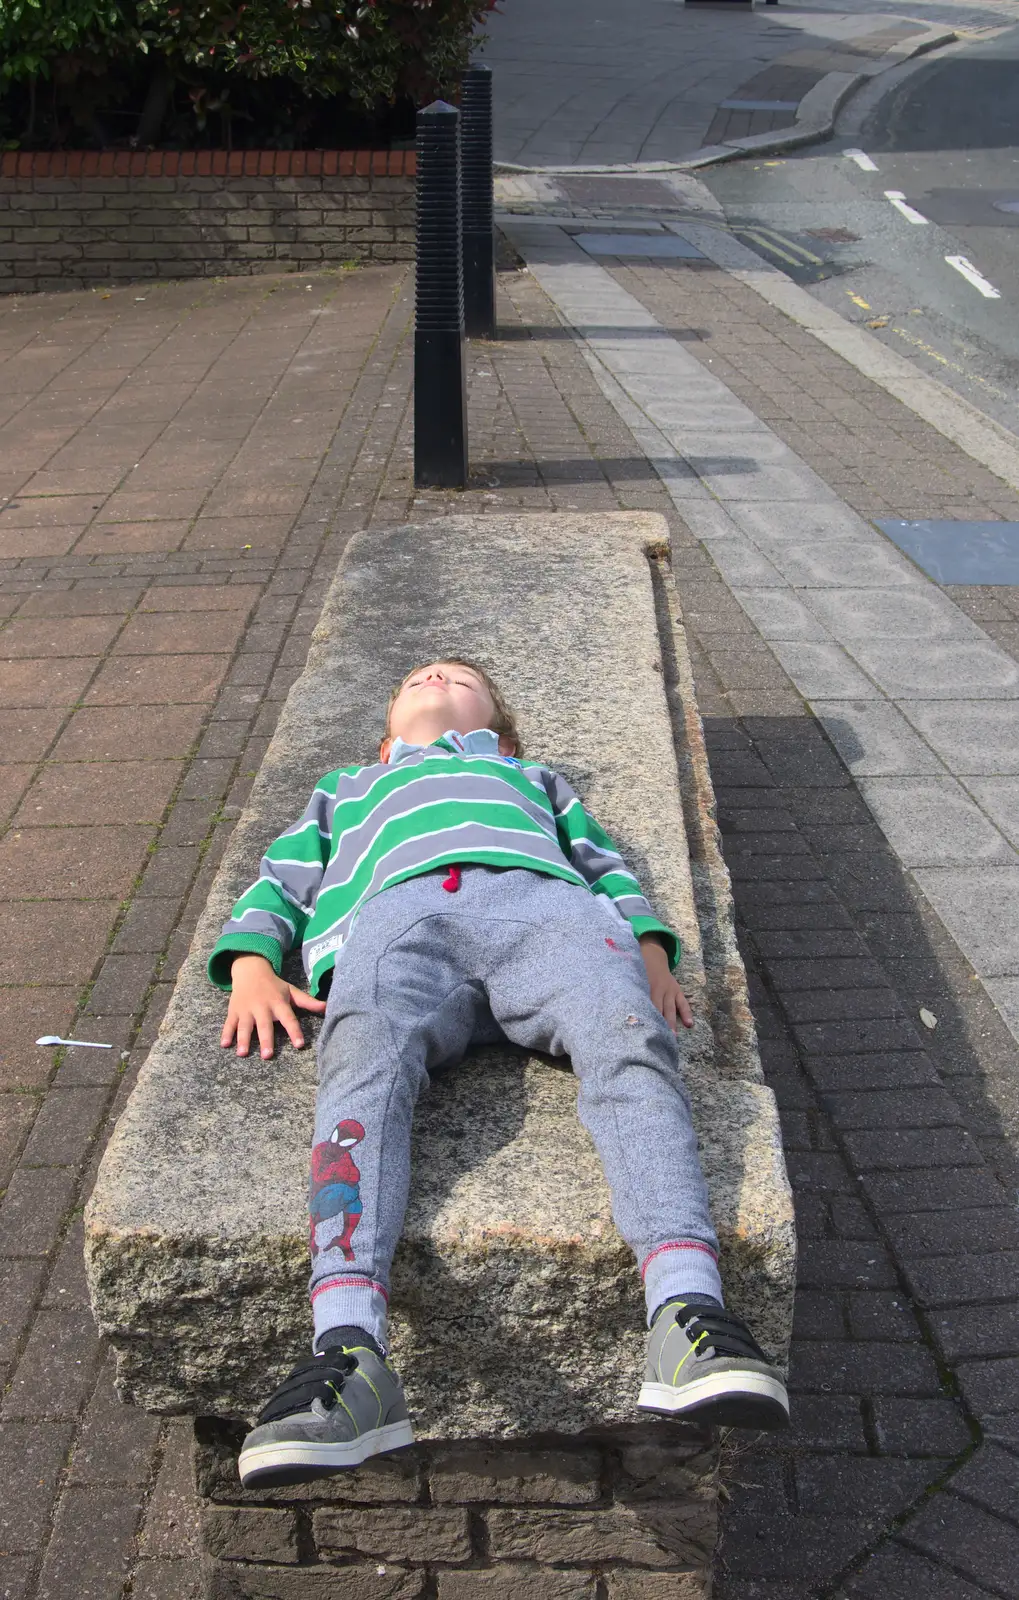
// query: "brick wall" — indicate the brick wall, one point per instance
point(81, 218)
point(628, 1514)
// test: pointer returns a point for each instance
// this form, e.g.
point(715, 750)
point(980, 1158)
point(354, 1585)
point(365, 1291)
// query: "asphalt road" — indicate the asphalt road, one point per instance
point(944, 137)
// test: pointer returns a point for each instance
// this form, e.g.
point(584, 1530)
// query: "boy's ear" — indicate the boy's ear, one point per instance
point(507, 746)
point(384, 749)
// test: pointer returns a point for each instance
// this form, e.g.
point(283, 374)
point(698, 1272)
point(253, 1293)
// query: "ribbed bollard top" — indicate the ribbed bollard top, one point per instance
point(476, 150)
point(439, 283)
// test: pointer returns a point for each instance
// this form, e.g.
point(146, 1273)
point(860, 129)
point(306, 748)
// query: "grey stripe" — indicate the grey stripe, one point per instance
point(263, 922)
point(297, 882)
point(436, 789)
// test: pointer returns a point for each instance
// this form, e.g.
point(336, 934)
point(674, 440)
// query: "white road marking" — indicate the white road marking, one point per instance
point(862, 160)
point(898, 200)
point(977, 279)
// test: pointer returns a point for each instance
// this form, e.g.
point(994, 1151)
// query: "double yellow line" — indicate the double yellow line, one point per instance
point(776, 244)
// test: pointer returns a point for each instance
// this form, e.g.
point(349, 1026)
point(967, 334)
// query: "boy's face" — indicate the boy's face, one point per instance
point(436, 698)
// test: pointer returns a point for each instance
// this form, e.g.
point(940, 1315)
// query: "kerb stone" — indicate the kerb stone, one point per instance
point(509, 1264)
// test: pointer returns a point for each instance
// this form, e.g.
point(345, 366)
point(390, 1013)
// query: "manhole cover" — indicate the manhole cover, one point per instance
point(638, 244)
point(619, 191)
point(960, 552)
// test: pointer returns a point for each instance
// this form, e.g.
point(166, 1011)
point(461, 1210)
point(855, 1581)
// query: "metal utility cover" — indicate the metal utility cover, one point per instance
point(607, 190)
point(638, 244)
point(960, 552)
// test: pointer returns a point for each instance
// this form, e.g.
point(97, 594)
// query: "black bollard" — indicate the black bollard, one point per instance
point(478, 204)
point(440, 377)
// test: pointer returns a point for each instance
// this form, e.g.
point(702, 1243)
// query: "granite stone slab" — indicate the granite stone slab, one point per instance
point(516, 1307)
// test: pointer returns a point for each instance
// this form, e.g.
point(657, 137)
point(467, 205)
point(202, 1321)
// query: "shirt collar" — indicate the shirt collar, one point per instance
point(481, 742)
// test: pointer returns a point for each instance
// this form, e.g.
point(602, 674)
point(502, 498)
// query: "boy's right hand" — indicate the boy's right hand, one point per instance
point(259, 1000)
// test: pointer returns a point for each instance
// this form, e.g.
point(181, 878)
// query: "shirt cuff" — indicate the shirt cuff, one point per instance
point(242, 944)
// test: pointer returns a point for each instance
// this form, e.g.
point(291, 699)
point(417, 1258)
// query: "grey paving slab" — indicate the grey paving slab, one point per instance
point(779, 614)
point(875, 740)
point(933, 822)
point(972, 737)
point(906, 612)
point(803, 524)
point(1005, 994)
point(824, 671)
point(787, 484)
point(835, 566)
point(742, 565)
point(915, 668)
point(999, 797)
point(960, 552)
point(980, 908)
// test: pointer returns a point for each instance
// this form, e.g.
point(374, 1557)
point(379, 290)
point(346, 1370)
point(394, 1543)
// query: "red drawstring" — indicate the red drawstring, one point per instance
point(452, 883)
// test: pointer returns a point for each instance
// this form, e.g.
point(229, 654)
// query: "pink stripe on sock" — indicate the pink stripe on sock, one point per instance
point(350, 1283)
point(684, 1244)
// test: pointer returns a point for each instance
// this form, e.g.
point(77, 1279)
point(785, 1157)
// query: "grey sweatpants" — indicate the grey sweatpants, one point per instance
point(424, 973)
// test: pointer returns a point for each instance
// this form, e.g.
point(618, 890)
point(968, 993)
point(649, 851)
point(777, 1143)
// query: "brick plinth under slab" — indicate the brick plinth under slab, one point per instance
point(74, 219)
point(625, 1514)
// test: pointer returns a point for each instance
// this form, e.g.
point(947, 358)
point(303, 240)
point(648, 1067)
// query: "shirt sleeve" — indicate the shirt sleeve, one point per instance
point(270, 917)
point(590, 850)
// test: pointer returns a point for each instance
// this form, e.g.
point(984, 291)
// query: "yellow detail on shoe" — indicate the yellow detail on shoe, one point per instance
point(374, 1391)
point(340, 1401)
point(691, 1350)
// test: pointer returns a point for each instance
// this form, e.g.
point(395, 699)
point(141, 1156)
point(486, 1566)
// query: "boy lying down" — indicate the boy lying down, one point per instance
point(450, 885)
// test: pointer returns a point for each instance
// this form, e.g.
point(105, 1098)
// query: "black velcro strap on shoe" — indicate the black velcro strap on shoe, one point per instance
point(727, 1334)
point(321, 1378)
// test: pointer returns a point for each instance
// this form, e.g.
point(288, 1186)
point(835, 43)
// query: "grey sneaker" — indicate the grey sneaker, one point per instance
point(704, 1365)
point(334, 1411)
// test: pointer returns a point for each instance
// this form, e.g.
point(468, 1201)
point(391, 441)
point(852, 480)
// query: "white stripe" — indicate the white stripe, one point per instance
point(862, 160)
point(473, 822)
point(977, 279)
point(260, 911)
point(898, 200)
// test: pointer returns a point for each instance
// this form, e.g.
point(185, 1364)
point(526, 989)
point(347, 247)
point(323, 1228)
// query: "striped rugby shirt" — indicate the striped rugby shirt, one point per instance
point(454, 802)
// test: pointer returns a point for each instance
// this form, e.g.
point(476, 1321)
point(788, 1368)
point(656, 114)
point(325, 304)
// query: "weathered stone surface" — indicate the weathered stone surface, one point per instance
point(465, 1476)
point(196, 1230)
point(231, 1580)
point(249, 1534)
point(516, 1581)
point(673, 1536)
point(397, 1533)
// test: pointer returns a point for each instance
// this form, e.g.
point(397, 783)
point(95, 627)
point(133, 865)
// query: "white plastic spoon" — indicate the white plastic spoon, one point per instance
point(86, 1044)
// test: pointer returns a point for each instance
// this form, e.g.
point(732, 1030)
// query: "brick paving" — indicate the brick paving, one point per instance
point(133, 725)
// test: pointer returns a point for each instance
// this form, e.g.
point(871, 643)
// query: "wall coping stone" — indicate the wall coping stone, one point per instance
point(196, 1230)
point(208, 163)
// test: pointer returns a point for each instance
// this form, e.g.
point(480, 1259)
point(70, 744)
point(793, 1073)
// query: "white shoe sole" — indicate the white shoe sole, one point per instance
point(304, 1459)
point(729, 1399)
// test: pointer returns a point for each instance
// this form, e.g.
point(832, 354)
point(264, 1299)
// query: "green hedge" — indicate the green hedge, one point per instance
point(134, 72)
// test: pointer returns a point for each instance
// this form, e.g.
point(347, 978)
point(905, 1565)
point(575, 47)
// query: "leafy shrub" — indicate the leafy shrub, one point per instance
point(130, 71)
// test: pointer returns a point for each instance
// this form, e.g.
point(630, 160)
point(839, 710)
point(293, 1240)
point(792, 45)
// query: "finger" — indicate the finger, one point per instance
point(244, 1034)
point(669, 1009)
point(288, 1021)
point(229, 1029)
point(306, 1001)
point(685, 1013)
point(265, 1022)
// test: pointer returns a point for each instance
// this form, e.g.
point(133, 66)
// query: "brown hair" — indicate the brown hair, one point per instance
point(503, 721)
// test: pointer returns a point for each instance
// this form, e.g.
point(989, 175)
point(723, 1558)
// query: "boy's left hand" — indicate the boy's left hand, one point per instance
point(665, 990)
